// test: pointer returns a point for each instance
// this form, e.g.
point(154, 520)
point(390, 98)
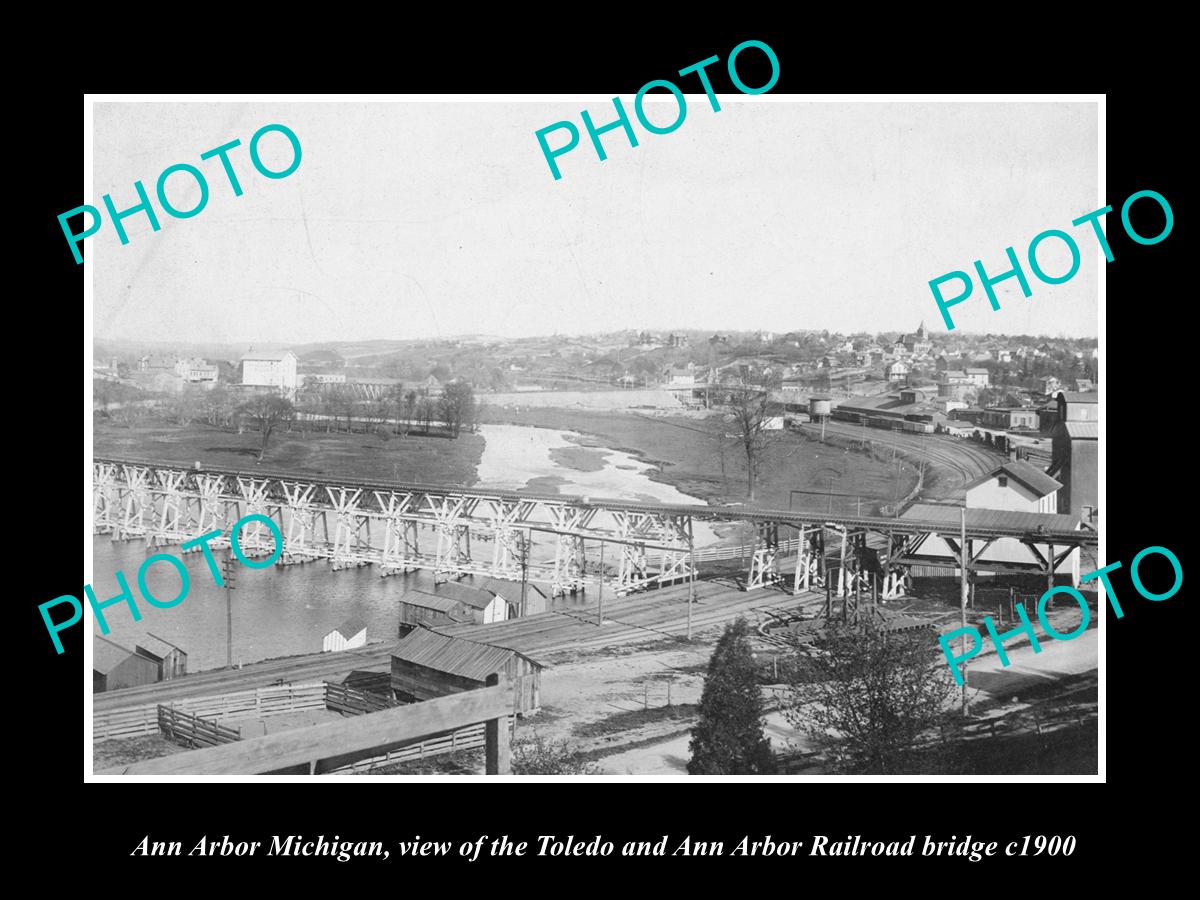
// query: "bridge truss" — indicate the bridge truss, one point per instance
point(454, 532)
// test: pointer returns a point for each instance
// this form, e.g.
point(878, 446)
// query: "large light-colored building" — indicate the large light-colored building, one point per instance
point(1016, 485)
point(196, 371)
point(275, 369)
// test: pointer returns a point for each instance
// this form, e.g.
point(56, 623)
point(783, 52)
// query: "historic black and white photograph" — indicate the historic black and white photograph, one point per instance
point(492, 438)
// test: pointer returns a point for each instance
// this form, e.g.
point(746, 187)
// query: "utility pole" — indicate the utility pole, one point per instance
point(526, 539)
point(227, 572)
point(691, 577)
point(600, 591)
point(962, 549)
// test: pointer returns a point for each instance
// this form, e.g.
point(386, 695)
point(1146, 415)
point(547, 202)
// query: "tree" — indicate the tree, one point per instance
point(749, 402)
point(410, 409)
point(539, 756)
point(269, 411)
point(456, 406)
point(728, 739)
point(870, 696)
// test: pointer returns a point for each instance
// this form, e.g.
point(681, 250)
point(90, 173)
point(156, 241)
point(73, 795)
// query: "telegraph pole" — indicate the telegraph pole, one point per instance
point(227, 571)
point(600, 591)
point(691, 577)
point(962, 549)
point(526, 539)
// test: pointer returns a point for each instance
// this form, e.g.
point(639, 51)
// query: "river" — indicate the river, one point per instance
point(282, 611)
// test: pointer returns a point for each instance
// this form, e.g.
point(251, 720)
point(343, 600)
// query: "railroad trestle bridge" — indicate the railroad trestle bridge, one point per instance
point(455, 531)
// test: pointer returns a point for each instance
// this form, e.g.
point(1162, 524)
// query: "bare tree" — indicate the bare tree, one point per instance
point(456, 406)
point(870, 697)
point(269, 411)
point(749, 403)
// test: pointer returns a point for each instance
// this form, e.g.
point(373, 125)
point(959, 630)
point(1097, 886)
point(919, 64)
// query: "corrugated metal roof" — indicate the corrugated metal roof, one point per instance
point(426, 600)
point(987, 518)
point(106, 655)
point(509, 590)
point(452, 655)
point(1080, 397)
point(157, 646)
point(473, 597)
point(1084, 430)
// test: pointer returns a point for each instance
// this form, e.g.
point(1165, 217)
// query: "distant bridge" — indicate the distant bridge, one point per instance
point(404, 527)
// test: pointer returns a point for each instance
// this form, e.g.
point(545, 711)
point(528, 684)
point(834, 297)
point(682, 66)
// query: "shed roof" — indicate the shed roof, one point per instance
point(509, 590)
point(269, 355)
point(351, 626)
point(453, 655)
point(1080, 397)
point(156, 646)
point(426, 600)
point(1026, 473)
point(1082, 430)
point(106, 655)
point(987, 518)
point(463, 593)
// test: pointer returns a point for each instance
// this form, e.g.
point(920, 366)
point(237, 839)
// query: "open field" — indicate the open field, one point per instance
point(692, 458)
point(437, 460)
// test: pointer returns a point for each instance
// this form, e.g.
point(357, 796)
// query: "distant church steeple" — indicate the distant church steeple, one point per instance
point(921, 332)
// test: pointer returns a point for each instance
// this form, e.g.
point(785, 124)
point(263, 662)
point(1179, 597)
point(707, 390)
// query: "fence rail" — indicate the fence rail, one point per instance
point(194, 730)
point(343, 699)
point(268, 701)
point(469, 738)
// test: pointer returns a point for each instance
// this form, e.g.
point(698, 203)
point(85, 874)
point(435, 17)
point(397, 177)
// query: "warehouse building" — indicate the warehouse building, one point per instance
point(115, 667)
point(426, 665)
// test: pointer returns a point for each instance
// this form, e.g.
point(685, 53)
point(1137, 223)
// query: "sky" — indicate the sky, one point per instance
point(418, 220)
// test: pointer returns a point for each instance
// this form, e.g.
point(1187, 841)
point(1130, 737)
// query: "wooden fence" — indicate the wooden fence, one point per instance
point(348, 700)
point(332, 746)
point(469, 738)
point(193, 730)
point(267, 701)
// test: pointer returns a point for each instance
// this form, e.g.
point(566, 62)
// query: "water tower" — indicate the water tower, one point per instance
point(819, 409)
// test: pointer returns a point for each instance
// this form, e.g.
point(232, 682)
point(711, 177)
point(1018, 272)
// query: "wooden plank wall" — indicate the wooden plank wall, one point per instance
point(330, 746)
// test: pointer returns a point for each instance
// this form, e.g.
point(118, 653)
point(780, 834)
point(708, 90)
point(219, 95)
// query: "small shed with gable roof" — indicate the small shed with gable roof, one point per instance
point(426, 665)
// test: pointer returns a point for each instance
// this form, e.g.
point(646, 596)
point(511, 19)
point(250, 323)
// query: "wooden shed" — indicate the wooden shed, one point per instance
point(427, 665)
point(536, 600)
point(172, 661)
point(351, 633)
point(115, 667)
point(450, 604)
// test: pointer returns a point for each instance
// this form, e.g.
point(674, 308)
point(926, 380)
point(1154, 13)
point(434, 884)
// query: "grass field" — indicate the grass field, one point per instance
point(368, 456)
point(690, 457)
point(686, 451)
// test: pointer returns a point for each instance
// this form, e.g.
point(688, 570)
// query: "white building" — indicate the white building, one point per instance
point(275, 369)
point(350, 634)
point(196, 371)
point(1016, 485)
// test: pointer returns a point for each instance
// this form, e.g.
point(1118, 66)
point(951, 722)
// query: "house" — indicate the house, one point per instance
point(896, 371)
point(267, 368)
point(426, 665)
point(172, 661)
point(115, 667)
point(680, 376)
point(1003, 355)
point(1016, 485)
point(1048, 384)
point(351, 633)
point(196, 371)
point(978, 377)
point(1009, 417)
point(451, 603)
